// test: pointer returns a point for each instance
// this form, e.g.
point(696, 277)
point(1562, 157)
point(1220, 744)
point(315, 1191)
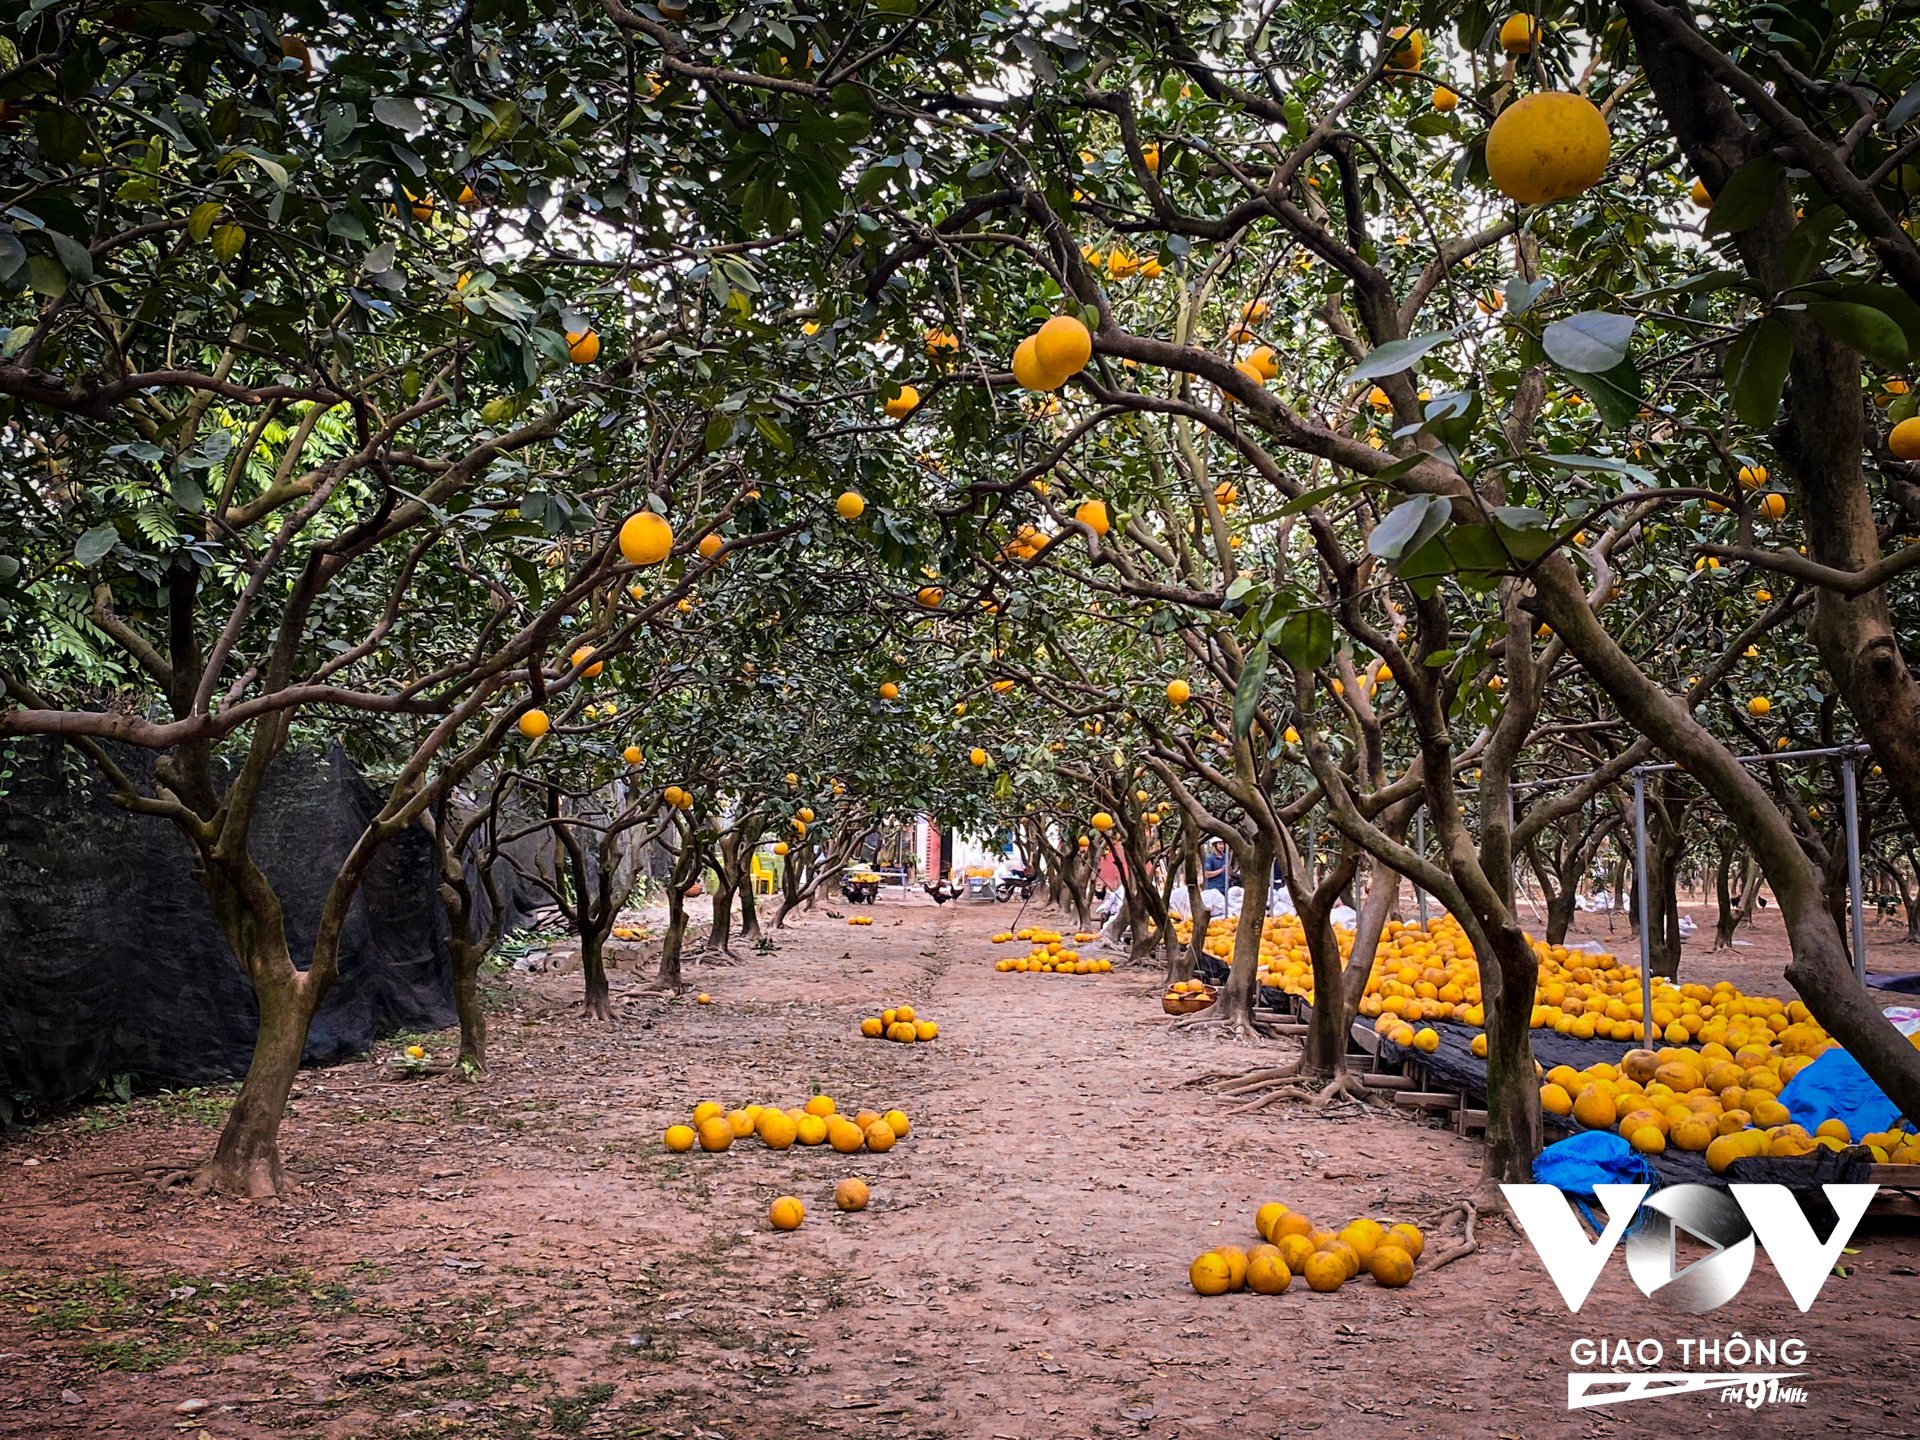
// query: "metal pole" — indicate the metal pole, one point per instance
point(1850, 803)
point(1420, 841)
point(1640, 906)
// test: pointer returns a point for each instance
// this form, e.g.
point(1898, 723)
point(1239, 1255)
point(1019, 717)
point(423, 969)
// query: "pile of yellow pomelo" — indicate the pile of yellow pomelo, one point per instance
point(901, 1024)
point(1050, 954)
point(1291, 1245)
point(818, 1122)
point(1430, 974)
point(860, 920)
point(1720, 1101)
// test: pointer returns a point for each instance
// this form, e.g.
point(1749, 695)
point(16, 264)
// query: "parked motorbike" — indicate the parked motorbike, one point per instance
point(1015, 879)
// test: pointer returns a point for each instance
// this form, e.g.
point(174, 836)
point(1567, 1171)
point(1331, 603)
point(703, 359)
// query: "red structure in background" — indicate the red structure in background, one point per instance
point(933, 862)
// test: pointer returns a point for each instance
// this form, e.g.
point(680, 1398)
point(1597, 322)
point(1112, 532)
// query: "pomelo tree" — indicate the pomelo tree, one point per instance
point(1316, 176)
point(305, 428)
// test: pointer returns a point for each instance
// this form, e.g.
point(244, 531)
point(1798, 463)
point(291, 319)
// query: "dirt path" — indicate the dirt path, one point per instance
point(523, 1258)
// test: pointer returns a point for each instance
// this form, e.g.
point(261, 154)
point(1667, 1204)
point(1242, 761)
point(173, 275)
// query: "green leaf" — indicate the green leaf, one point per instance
point(346, 224)
point(1899, 306)
point(187, 494)
point(1605, 463)
point(1616, 394)
point(1808, 243)
point(719, 431)
point(93, 546)
point(72, 255)
point(1526, 533)
point(1756, 370)
point(273, 169)
point(1590, 342)
point(1747, 196)
point(12, 253)
point(1319, 493)
point(1408, 526)
point(1246, 696)
point(1522, 293)
point(1306, 639)
point(401, 113)
point(1904, 109)
point(773, 434)
point(200, 222)
point(62, 134)
point(48, 276)
point(1427, 566)
point(1397, 355)
point(503, 126)
point(1872, 332)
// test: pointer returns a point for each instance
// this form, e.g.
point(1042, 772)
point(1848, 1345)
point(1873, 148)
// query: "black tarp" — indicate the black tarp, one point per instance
point(110, 960)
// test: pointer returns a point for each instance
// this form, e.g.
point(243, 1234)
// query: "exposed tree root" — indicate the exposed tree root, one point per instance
point(138, 1171)
point(400, 1074)
point(1232, 1081)
point(1238, 1028)
point(1339, 1086)
point(1462, 1248)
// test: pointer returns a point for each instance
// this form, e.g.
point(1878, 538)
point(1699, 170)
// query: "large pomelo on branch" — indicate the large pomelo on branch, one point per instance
point(1547, 147)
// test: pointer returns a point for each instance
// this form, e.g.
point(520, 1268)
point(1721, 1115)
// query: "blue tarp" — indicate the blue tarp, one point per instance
point(1834, 1087)
point(1593, 1157)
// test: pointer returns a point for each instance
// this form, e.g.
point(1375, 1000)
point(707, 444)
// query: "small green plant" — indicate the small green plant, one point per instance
point(570, 1416)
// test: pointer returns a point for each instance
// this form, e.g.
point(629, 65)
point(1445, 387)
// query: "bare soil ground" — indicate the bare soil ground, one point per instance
point(523, 1258)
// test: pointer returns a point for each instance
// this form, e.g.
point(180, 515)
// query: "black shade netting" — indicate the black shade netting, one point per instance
point(110, 960)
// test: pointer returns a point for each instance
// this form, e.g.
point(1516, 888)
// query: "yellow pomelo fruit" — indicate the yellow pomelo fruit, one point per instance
point(1062, 346)
point(646, 538)
point(1548, 146)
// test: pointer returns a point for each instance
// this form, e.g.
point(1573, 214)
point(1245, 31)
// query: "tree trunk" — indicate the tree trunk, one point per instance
point(1513, 1093)
point(1663, 903)
point(1326, 1047)
point(598, 1003)
point(1239, 995)
point(1375, 909)
point(247, 1159)
point(466, 1002)
point(720, 936)
point(1561, 906)
point(1907, 897)
point(1617, 885)
point(1185, 965)
point(668, 976)
point(1728, 907)
point(749, 913)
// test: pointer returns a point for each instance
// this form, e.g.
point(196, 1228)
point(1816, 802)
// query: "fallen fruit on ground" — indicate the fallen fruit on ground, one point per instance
point(1390, 1266)
point(1325, 1271)
point(786, 1213)
point(850, 1194)
point(1209, 1274)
